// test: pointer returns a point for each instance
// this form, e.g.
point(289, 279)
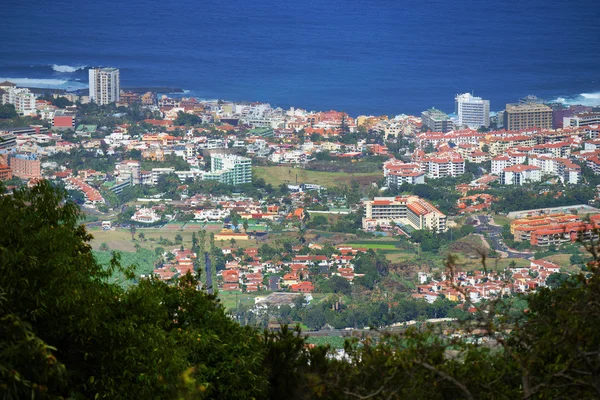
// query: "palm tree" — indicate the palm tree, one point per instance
point(301, 236)
point(132, 230)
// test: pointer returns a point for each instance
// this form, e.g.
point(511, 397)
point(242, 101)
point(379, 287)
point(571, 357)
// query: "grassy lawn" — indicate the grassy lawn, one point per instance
point(229, 299)
point(400, 256)
point(120, 239)
point(564, 261)
point(374, 246)
point(143, 261)
point(276, 175)
point(502, 220)
point(497, 264)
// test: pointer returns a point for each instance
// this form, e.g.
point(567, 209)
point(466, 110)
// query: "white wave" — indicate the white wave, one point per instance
point(584, 99)
point(67, 68)
point(46, 83)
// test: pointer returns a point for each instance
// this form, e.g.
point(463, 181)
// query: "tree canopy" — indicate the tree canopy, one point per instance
point(67, 331)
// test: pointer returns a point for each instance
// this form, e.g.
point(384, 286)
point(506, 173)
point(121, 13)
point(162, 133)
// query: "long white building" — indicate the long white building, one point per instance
point(473, 112)
point(407, 210)
point(105, 85)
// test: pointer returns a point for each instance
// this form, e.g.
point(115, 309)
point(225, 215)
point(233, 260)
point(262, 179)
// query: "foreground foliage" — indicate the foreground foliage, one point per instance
point(66, 331)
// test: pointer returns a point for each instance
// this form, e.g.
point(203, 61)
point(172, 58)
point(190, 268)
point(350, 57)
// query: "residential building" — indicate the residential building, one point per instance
point(129, 170)
point(63, 120)
point(8, 141)
point(439, 165)
point(21, 98)
point(92, 195)
point(559, 113)
point(398, 172)
point(527, 115)
point(25, 166)
point(157, 172)
point(105, 85)
point(230, 169)
point(411, 210)
point(436, 120)
point(554, 229)
point(473, 112)
point(582, 119)
point(5, 172)
point(520, 174)
point(146, 216)
point(397, 178)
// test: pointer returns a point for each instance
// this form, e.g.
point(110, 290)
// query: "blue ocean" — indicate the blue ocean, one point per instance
point(363, 57)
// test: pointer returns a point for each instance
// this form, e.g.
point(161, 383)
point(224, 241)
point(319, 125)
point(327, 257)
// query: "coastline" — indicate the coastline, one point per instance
point(85, 92)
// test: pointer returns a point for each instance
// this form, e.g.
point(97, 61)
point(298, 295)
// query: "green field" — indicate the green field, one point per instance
point(143, 260)
point(502, 220)
point(120, 239)
point(336, 342)
point(230, 299)
point(288, 175)
point(373, 245)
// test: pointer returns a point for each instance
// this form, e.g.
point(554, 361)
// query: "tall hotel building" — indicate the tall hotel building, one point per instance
point(104, 85)
point(473, 112)
point(528, 115)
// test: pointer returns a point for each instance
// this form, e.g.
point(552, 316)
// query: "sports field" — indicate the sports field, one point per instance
point(387, 245)
point(276, 175)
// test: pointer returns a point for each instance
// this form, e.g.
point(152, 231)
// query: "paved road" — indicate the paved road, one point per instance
point(495, 237)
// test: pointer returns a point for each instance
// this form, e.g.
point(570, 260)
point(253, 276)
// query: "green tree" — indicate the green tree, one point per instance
point(7, 111)
point(315, 318)
point(132, 230)
point(106, 342)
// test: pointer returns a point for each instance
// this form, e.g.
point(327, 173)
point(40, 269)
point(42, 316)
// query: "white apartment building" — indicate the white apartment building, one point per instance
point(499, 163)
point(158, 172)
point(410, 210)
point(21, 98)
point(105, 85)
point(398, 172)
point(567, 171)
point(129, 170)
point(520, 174)
point(230, 169)
point(473, 112)
point(440, 165)
point(397, 178)
point(582, 119)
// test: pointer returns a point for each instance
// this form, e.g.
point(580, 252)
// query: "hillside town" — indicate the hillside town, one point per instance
point(290, 199)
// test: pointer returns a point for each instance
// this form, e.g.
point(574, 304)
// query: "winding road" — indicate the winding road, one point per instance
point(494, 237)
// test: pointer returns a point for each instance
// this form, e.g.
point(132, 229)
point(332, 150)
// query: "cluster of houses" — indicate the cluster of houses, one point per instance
point(295, 275)
point(479, 285)
point(516, 157)
point(246, 271)
point(176, 263)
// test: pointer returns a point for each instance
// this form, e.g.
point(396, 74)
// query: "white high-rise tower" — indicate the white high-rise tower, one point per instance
point(472, 111)
point(105, 85)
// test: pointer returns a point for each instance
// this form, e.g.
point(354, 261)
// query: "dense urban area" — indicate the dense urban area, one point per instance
point(346, 226)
